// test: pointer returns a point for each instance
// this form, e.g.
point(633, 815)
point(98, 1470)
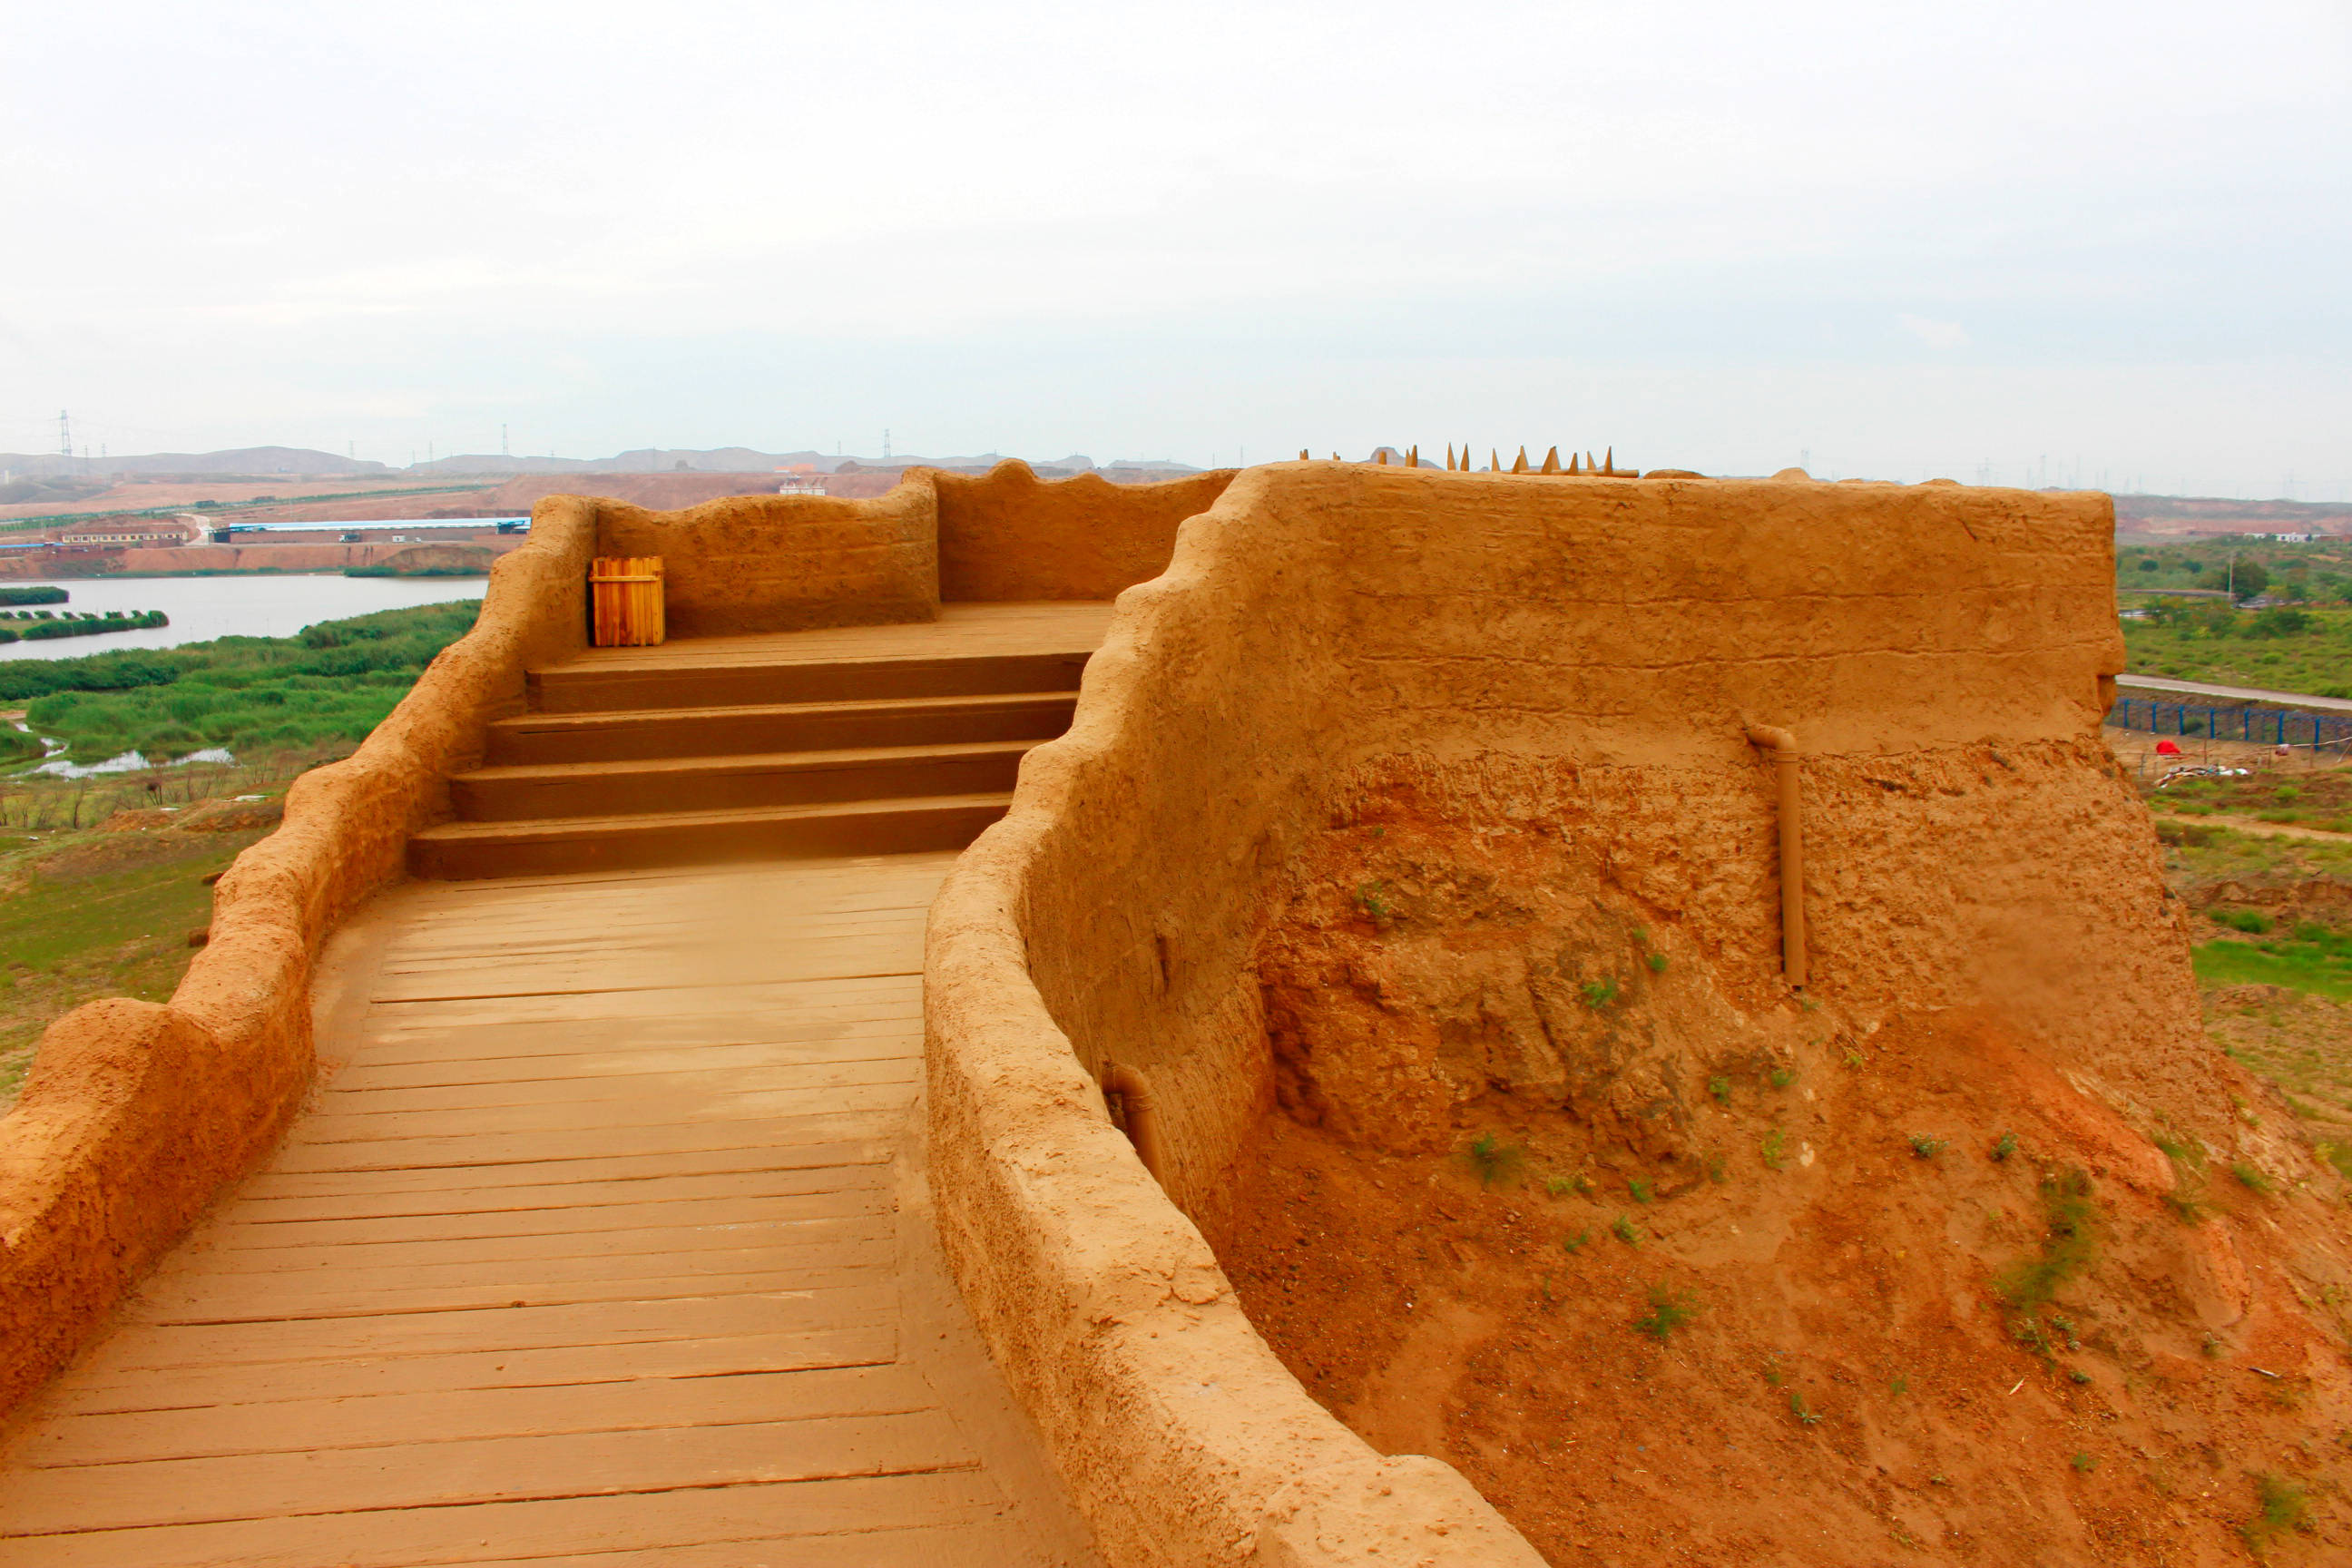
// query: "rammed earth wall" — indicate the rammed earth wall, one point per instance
point(1585, 654)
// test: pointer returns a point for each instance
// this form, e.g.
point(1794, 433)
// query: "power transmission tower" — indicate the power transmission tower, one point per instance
point(65, 435)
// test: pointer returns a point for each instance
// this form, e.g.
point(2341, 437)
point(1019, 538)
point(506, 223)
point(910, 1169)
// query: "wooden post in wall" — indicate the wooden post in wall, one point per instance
point(626, 596)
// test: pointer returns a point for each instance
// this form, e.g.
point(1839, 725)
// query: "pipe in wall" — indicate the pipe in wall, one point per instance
point(1142, 1117)
point(1781, 745)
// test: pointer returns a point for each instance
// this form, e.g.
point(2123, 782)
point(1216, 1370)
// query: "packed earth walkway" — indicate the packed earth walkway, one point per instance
point(603, 1240)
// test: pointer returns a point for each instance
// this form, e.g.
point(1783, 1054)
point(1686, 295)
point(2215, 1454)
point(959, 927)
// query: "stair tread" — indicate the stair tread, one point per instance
point(605, 718)
point(638, 822)
point(805, 761)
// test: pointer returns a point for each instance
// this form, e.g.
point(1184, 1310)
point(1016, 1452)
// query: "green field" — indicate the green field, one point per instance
point(334, 682)
point(2315, 959)
point(2284, 649)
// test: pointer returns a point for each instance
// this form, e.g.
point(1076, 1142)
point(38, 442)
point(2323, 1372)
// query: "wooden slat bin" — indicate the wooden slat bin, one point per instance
point(626, 601)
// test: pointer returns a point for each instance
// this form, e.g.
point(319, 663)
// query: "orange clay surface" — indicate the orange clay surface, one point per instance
point(1865, 1374)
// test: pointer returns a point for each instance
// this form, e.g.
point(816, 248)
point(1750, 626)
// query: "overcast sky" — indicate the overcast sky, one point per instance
point(2103, 242)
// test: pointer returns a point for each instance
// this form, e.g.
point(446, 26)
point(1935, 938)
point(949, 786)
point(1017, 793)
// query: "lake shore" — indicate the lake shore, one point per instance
point(202, 606)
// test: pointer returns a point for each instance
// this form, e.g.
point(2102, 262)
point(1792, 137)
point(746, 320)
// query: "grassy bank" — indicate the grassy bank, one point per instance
point(107, 911)
point(2273, 934)
point(331, 684)
point(2304, 798)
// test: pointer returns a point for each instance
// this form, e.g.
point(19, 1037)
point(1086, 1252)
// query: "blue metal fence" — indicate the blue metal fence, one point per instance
point(2266, 726)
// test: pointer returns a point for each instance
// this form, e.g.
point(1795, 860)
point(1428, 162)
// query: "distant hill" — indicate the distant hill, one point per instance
point(44, 471)
point(643, 460)
point(744, 461)
point(253, 462)
point(2215, 515)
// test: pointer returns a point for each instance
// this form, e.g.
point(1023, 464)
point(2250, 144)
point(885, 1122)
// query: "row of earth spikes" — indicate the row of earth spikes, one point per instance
point(1606, 464)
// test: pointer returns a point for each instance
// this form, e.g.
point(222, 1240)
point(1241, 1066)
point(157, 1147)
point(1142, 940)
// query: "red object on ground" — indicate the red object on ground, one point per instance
point(2166, 749)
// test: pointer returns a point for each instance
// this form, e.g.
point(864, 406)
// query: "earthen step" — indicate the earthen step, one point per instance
point(461, 850)
point(676, 682)
point(631, 734)
point(733, 783)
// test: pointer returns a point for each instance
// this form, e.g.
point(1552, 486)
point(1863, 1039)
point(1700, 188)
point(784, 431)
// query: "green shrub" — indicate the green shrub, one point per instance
point(2252, 921)
point(2069, 1243)
point(1492, 1158)
point(2279, 1505)
point(1669, 1309)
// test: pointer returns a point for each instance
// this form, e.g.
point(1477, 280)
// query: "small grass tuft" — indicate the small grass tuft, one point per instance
point(1784, 1076)
point(1721, 1088)
point(1899, 1386)
point(2003, 1147)
point(1622, 1230)
point(2083, 1463)
point(2187, 1198)
point(1559, 1186)
point(1775, 1147)
point(2068, 1244)
point(1657, 961)
point(1925, 1148)
point(1599, 994)
point(1802, 1411)
point(1641, 1190)
point(1371, 898)
point(1492, 1158)
point(2252, 1178)
point(2279, 1505)
point(1575, 1244)
point(1715, 1170)
point(2338, 1157)
point(1669, 1309)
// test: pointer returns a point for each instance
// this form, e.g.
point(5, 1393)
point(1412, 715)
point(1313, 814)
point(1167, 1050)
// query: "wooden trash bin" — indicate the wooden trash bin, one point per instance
point(626, 601)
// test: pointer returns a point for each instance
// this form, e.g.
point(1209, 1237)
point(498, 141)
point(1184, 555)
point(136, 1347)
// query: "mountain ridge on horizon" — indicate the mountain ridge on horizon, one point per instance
point(302, 462)
point(2156, 514)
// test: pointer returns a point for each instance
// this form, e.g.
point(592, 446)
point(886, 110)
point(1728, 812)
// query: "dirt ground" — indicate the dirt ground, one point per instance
point(1902, 1295)
point(1852, 1385)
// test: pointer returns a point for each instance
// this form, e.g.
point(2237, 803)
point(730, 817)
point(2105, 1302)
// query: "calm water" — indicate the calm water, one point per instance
point(203, 608)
